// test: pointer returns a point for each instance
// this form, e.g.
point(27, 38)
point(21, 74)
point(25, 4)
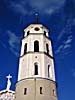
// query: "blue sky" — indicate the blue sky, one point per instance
point(59, 17)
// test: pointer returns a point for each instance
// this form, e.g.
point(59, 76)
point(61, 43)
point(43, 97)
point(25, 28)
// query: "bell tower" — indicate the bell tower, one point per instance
point(36, 76)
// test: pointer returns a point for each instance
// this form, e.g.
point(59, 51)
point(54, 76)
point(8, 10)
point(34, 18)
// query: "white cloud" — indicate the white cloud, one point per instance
point(68, 41)
point(14, 42)
point(66, 29)
point(59, 49)
point(12, 38)
point(65, 45)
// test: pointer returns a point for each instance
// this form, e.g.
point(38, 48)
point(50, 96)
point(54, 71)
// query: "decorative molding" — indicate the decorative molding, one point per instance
point(36, 53)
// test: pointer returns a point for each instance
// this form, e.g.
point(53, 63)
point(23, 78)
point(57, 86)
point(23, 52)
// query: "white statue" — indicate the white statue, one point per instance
point(8, 82)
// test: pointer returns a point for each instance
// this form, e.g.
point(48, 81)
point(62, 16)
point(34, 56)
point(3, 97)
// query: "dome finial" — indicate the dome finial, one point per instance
point(36, 18)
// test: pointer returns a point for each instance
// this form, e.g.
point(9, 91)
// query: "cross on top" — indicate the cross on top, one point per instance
point(9, 76)
point(8, 82)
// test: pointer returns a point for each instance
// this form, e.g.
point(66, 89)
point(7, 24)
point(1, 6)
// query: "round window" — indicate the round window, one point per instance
point(36, 29)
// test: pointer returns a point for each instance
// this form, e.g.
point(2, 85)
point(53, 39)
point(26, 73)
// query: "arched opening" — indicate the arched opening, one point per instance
point(48, 70)
point(27, 33)
point(41, 90)
point(35, 69)
point(25, 91)
point(45, 33)
point(25, 48)
point(36, 46)
point(54, 92)
point(47, 48)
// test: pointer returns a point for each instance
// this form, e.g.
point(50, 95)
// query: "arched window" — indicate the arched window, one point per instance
point(25, 91)
point(36, 46)
point(41, 90)
point(47, 48)
point(27, 33)
point(54, 92)
point(35, 69)
point(48, 70)
point(45, 33)
point(25, 48)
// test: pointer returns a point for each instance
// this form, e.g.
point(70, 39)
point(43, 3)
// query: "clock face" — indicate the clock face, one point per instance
point(36, 29)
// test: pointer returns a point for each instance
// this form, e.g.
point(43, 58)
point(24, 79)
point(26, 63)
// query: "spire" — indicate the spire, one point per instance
point(36, 18)
point(8, 82)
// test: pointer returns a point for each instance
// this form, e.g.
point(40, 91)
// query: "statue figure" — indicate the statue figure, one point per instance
point(8, 82)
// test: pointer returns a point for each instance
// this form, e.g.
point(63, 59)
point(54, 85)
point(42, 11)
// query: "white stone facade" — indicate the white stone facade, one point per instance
point(32, 29)
point(36, 75)
point(43, 57)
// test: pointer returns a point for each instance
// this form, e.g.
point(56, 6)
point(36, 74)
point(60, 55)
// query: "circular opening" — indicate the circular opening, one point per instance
point(36, 29)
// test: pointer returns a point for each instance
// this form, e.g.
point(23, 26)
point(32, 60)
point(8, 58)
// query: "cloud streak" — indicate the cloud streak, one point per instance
point(10, 40)
point(66, 29)
point(14, 42)
point(59, 49)
point(13, 39)
point(65, 37)
point(65, 45)
point(24, 7)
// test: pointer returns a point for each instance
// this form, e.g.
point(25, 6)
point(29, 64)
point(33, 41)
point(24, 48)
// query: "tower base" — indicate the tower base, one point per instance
point(36, 89)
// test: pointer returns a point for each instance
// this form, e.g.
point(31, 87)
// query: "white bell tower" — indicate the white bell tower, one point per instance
point(36, 77)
